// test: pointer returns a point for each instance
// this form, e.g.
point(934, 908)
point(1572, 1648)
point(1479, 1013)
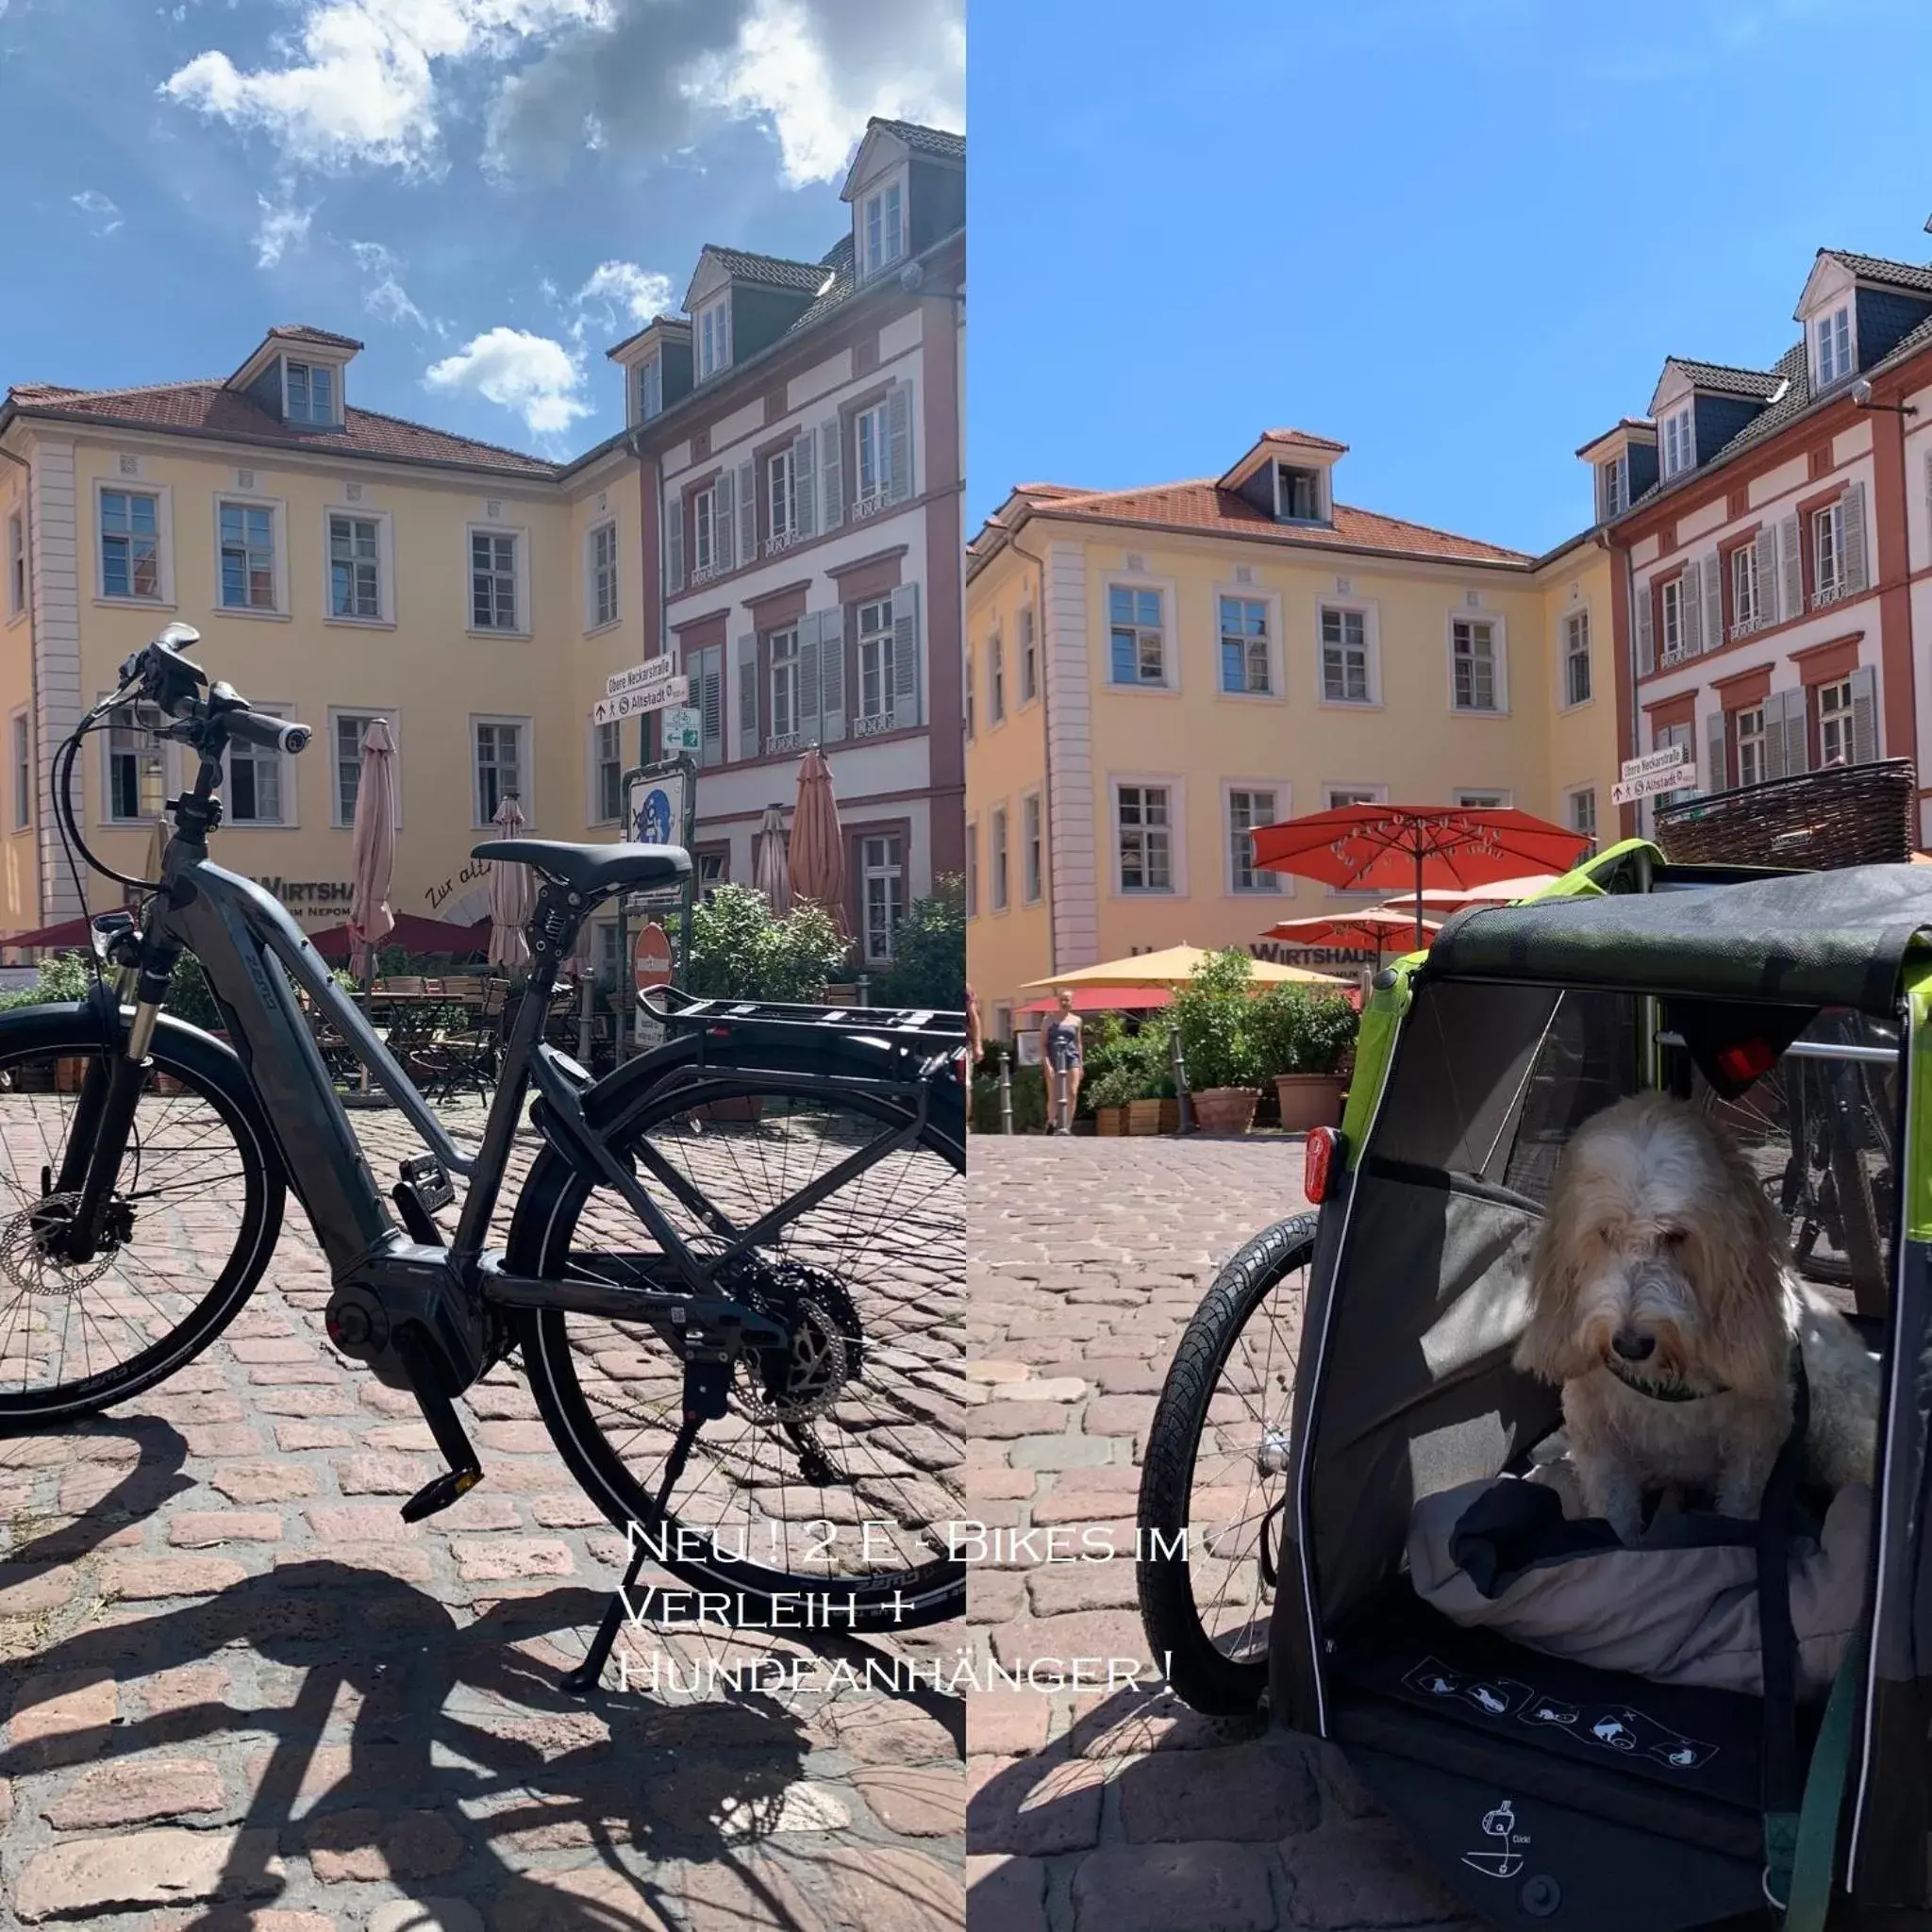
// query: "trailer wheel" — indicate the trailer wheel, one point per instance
point(1216, 1472)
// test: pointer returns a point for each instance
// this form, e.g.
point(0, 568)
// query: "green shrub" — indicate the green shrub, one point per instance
point(1135, 1066)
point(1302, 1031)
point(1221, 1037)
point(1030, 1100)
point(740, 951)
point(928, 966)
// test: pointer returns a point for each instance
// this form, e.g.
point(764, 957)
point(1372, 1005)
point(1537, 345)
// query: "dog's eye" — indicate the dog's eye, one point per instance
point(1672, 1237)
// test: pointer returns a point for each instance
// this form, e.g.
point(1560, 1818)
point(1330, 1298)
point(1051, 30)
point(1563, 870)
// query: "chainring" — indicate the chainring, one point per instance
point(827, 1345)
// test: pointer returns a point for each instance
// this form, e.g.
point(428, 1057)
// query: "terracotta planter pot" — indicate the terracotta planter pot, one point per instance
point(1226, 1110)
point(742, 1107)
point(1109, 1120)
point(69, 1075)
point(1143, 1116)
point(1308, 1100)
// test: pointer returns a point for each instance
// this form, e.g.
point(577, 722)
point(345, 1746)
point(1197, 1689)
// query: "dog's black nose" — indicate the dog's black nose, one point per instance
point(1632, 1347)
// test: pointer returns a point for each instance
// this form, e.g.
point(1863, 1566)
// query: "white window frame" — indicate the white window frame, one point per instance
point(1613, 486)
point(1485, 797)
point(1170, 680)
point(972, 868)
point(1746, 611)
point(1271, 616)
point(869, 425)
point(1029, 660)
point(309, 365)
point(1032, 848)
point(999, 858)
point(19, 583)
point(648, 391)
point(278, 573)
point(1594, 832)
point(23, 767)
point(866, 836)
point(339, 820)
point(1568, 655)
point(878, 643)
point(526, 788)
point(594, 620)
point(164, 543)
point(1499, 664)
point(385, 567)
point(1836, 721)
point(780, 533)
point(1828, 517)
point(711, 336)
point(595, 763)
point(1753, 742)
point(164, 751)
point(890, 249)
point(520, 580)
point(1266, 885)
point(1371, 654)
point(1833, 353)
point(1670, 619)
point(290, 819)
point(779, 739)
point(995, 680)
point(1176, 790)
point(1318, 476)
point(1677, 442)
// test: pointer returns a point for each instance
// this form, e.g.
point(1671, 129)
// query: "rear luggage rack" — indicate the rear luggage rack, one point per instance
point(909, 1026)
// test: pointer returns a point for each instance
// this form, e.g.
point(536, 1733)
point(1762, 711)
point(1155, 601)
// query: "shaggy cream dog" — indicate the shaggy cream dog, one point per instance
point(1661, 1300)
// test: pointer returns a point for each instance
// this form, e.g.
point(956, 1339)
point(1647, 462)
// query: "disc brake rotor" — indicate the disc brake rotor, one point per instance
point(825, 1354)
point(24, 1259)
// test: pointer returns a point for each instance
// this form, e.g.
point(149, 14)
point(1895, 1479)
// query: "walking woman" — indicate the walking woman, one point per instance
point(1059, 1053)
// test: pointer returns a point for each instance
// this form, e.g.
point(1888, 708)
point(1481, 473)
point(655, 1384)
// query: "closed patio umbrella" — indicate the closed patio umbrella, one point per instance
point(770, 869)
point(817, 867)
point(509, 897)
point(372, 844)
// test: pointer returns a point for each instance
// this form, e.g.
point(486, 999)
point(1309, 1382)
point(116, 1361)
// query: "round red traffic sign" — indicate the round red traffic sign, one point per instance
point(650, 956)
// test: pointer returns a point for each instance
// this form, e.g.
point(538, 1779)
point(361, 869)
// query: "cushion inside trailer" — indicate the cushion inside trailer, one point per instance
point(1672, 1758)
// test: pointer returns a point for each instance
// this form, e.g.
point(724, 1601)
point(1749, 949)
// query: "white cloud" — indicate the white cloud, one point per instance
point(385, 297)
point(103, 216)
point(519, 371)
point(619, 295)
point(283, 226)
point(362, 85)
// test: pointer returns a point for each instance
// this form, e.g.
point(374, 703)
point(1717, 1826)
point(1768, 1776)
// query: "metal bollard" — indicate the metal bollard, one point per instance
point(1182, 1102)
point(1006, 1094)
point(864, 988)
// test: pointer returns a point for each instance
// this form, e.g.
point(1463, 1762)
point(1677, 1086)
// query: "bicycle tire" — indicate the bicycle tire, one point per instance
point(211, 1072)
point(1199, 1672)
point(624, 1106)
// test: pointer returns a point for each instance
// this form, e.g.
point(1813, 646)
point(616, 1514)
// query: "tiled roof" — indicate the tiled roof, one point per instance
point(774, 271)
point(934, 142)
point(1875, 268)
point(1729, 380)
point(305, 332)
point(1201, 506)
point(210, 409)
point(837, 263)
point(1303, 436)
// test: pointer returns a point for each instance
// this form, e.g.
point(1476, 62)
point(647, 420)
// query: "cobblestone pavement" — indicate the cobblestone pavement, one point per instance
point(1095, 1812)
point(245, 1697)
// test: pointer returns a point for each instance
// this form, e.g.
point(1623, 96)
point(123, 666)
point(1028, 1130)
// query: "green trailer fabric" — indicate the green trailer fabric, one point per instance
point(1838, 939)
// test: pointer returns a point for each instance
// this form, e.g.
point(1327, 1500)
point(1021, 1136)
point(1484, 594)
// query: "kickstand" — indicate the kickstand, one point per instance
point(582, 1681)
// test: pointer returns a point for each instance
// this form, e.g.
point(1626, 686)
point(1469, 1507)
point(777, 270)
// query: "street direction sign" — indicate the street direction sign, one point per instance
point(1667, 757)
point(678, 729)
point(655, 696)
point(1677, 777)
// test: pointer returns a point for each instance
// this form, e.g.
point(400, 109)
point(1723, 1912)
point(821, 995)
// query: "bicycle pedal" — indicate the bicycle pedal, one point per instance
point(429, 1179)
point(424, 1187)
point(439, 1493)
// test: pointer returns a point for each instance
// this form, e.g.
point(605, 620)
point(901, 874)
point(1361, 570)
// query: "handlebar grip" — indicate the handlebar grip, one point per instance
point(272, 734)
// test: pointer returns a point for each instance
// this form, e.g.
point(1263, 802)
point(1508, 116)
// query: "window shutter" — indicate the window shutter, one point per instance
point(831, 475)
point(1790, 596)
point(1767, 575)
point(723, 501)
point(1646, 646)
point(747, 514)
point(673, 545)
point(1865, 715)
point(1797, 754)
point(1713, 602)
point(1853, 513)
point(899, 440)
point(832, 674)
point(804, 481)
point(1716, 774)
point(906, 656)
point(748, 695)
point(1774, 753)
point(708, 689)
point(808, 675)
point(1690, 609)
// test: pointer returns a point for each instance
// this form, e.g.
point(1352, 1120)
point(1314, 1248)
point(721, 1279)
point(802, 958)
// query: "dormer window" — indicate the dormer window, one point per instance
point(1679, 453)
point(1613, 487)
point(309, 393)
point(714, 337)
point(1831, 346)
point(883, 230)
point(1297, 494)
point(650, 388)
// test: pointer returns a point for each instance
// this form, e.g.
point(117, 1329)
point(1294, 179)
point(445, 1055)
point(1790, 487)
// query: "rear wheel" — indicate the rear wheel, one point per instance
point(834, 1476)
point(1215, 1480)
point(193, 1218)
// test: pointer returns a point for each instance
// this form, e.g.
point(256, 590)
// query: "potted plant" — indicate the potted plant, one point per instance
point(1220, 1041)
point(1304, 1037)
point(1129, 1078)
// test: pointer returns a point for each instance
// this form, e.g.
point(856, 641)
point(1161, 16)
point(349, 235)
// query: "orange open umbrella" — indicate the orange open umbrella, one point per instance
point(1375, 925)
point(1391, 847)
point(817, 858)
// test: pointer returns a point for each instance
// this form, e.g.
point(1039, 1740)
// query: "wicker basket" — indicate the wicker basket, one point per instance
point(1812, 822)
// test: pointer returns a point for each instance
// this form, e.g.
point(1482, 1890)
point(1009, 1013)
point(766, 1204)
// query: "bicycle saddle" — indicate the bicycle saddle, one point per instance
point(592, 870)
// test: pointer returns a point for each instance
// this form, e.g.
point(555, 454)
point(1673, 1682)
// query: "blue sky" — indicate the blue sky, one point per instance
point(488, 193)
point(1460, 236)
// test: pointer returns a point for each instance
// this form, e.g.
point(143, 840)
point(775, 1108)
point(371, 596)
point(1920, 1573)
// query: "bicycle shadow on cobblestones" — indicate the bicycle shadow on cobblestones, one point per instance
point(391, 1743)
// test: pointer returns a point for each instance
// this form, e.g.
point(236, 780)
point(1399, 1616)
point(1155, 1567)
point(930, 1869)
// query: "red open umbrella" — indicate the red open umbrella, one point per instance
point(1375, 925)
point(411, 932)
point(68, 932)
point(1388, 847)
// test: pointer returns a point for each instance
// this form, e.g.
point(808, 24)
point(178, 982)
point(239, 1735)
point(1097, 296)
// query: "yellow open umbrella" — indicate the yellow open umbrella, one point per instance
point(1175, 966)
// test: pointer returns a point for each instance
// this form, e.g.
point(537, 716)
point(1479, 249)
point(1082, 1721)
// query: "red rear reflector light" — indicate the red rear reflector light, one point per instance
point(1747, 1060)
point(1321, 1158)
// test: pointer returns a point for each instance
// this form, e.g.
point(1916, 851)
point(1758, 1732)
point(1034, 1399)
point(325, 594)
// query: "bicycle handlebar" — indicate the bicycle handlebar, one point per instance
point(272, 734)
point(173, 682)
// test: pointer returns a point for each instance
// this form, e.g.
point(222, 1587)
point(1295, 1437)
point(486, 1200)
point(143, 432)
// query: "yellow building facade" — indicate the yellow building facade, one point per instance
point(1151, 673)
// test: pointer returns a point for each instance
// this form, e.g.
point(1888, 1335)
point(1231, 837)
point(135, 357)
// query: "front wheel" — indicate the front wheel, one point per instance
point(833, 1479)
point(194, 1217)
point(1215, 1480)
